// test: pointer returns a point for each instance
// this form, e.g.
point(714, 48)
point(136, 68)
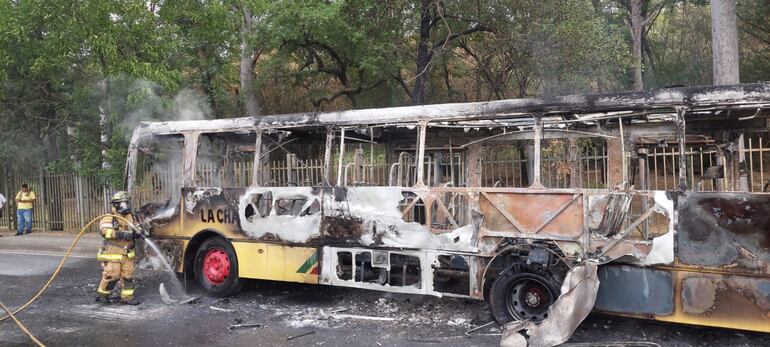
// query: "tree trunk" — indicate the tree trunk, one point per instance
point(636, 22)
point(51, 197)
point(207, 80)
point(248, 60)
point(724, 38)
point(52, 141)
point(104, 139)
point(423, 54)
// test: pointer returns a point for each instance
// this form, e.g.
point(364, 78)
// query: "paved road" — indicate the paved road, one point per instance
point(67, 315)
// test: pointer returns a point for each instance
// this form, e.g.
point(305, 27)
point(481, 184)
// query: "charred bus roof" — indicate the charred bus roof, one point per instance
point(734, 101)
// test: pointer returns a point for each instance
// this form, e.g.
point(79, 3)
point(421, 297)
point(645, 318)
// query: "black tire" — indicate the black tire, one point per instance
point(223, 283)
point(523, 292)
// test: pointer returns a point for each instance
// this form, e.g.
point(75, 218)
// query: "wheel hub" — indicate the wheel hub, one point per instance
point(216, 266)
point(532, 298)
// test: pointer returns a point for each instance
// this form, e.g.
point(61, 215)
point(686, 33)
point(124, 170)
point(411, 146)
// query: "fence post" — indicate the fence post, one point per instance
point(44, 197)
point(79, 199)
point(8, 197)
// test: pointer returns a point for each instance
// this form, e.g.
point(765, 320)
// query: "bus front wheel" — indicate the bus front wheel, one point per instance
point(216, 268)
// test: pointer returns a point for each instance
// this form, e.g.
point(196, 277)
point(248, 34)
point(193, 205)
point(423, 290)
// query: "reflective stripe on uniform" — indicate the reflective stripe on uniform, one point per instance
point(109, 257)
point(126, 292)
point(102, 291)
point(131, 254)
point(109, 233)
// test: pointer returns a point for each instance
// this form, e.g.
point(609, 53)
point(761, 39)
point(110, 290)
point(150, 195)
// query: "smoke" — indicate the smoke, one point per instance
point(191, 105)
point(145, 101)
point(159, 167)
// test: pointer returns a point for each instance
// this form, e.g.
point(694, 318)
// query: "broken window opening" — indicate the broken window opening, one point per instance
point(292, 207)
point(412, 208)
point(366, 273)
point(405, 270)
point(261, 205)
point(507, 164)
point(375, 156)
point(449, 211)
point(293, 158)
point(574, 163)
point(159, 170)
point(451, 275)
point(345, 266)
point(225, 160)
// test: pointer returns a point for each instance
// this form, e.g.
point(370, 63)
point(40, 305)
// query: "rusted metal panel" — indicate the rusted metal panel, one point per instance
point(635, 290)
point(725, 231)
point(527, 214)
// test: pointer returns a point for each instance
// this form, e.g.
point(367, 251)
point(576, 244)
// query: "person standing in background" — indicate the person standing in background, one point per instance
point(25, 201)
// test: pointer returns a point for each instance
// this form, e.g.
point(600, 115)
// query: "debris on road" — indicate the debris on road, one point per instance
point(244, 326)
point(300, 335)
point(470, 332)
point(221, 309)
point(355, 316)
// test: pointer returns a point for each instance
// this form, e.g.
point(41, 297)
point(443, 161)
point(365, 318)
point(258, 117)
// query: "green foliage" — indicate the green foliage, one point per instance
point(63, 64)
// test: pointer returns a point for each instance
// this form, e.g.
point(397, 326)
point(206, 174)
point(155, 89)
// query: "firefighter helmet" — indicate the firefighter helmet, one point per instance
point(121, 202)
point(119, 196)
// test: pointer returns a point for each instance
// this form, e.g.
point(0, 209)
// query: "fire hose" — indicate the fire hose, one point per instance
point(12, 313)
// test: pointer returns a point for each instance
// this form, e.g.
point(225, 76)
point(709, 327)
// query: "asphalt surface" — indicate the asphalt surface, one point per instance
point(68, 315)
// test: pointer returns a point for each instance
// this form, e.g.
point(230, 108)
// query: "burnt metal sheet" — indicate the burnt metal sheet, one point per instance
point(548, 214)
point(635, 290)
point(695, 98)
point(733, 301)
point(725, 230)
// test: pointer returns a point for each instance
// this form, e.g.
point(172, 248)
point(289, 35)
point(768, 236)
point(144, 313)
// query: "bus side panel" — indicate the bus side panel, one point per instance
point(723, 254)
point(635, 290)
point(720, 300)
point(292, 264)
point(252, 259)
point(277, 262)
point(673, 295)
point(725, 232)
point(721, 276)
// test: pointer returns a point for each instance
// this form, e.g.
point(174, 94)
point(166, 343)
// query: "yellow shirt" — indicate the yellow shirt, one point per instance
point(25, 196)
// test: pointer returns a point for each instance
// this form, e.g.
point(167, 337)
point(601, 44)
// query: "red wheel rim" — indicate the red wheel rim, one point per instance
point(216, 266)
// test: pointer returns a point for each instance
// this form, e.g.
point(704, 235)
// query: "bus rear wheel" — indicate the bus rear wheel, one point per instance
point(216, 268)
point(523, 292)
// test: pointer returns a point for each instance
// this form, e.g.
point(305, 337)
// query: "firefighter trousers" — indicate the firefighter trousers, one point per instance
point(118, 273)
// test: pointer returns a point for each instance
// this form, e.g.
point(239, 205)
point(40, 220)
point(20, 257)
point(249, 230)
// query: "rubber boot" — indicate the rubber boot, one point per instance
point(106, 300)
point(132, 302)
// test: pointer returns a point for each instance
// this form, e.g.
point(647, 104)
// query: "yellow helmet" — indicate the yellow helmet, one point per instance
point(120, 196)
point(121, 202)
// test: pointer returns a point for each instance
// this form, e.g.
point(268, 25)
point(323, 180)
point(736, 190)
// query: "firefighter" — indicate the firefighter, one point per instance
point(117, 253)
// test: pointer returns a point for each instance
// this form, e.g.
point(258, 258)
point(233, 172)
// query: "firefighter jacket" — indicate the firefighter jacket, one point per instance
point(118, 241)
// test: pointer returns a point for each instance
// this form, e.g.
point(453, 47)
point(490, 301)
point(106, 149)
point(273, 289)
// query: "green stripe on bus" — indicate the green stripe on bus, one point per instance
point(308, 263)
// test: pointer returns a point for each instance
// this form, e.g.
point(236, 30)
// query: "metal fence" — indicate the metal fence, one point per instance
point(571, 166)
point(64, 201)
point(664, 166)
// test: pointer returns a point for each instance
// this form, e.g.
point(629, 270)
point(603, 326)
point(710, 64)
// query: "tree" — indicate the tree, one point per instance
point(640, 15)
point(441, 21)
point(55, 55)
point(754, 40)
point(724, 33)
point(679, 47)
point(248, 59)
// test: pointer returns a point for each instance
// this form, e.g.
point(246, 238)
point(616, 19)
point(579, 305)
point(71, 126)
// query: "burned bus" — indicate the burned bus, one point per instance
point(487, 200)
